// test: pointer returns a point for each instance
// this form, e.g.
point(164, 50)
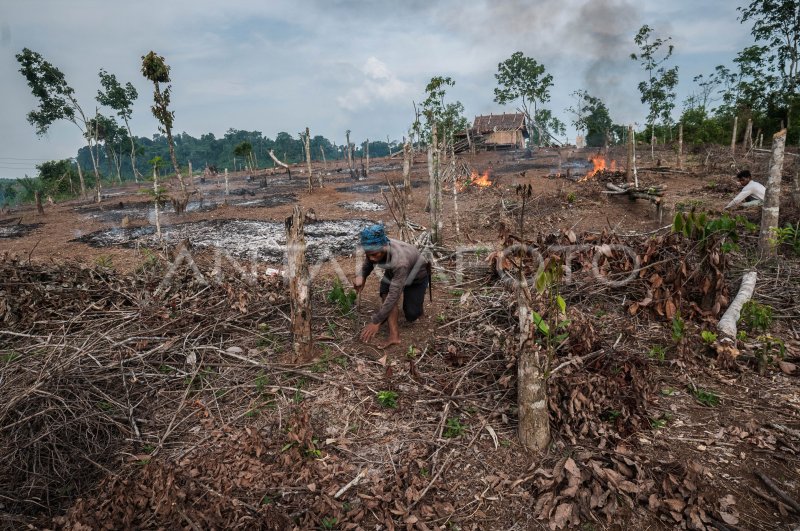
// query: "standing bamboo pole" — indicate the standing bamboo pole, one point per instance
point(733, 135)
point(771, 210)
point(299, 286)
point(680, 146)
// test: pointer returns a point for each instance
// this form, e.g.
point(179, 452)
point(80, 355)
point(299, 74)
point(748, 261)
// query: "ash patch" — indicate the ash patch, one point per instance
point(17, 231)
point(115, 212)
point(373, 188)
point(268, 201)
point(363, 206)
point(242, 238)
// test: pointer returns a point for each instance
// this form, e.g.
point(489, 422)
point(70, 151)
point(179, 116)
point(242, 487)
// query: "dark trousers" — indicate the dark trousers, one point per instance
point(413, 297)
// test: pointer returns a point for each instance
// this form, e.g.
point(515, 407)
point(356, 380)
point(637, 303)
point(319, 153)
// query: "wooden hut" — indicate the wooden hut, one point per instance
point(501, 131)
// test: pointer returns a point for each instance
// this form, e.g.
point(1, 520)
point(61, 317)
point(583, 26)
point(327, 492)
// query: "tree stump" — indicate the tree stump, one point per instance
point(299, 286)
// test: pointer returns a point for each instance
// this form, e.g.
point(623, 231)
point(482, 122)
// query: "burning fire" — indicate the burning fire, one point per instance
point(480, 180)
point(600, 164)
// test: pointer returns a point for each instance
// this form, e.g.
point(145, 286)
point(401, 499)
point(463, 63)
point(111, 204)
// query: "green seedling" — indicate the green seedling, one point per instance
point(453, 428)
point(657, 352)
point(708, 337)
point(706, 398)
point(387, 399)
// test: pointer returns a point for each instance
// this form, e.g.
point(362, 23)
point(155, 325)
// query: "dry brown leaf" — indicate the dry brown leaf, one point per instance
point(787, 367)
point(562, 516)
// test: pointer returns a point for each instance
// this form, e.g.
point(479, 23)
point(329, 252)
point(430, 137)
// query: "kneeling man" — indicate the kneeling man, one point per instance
point(406, 273)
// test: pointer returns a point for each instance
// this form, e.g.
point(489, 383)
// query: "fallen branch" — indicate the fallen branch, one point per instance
point(769, 482)
point(355, 481)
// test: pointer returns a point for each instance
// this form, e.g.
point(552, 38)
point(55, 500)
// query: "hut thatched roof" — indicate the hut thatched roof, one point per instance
point(498, 122)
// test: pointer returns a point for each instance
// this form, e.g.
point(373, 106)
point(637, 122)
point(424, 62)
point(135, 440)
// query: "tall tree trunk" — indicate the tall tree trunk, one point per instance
point(155, 203)
point(748, 136)
point(191, 174)
point(629, 160)
point(366, 151)
point(98, 183)
point(227, 189)
point(435, 189)
point(772, 197)
point(136, 174)
point(307, 145)
point(388, 145)
point(324, 160)
point(469, 141)
point(350, 155)
point(455, 198)
point(733, 136)
point(81, 179)
point(407, 157)
point(680, 146)
point(299, 286)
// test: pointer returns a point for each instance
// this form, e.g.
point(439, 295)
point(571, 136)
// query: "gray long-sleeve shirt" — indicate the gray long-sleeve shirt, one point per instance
point(404, 265)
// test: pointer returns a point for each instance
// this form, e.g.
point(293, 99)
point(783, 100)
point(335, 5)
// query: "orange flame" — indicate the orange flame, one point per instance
point(480, 180)
point(599, 163)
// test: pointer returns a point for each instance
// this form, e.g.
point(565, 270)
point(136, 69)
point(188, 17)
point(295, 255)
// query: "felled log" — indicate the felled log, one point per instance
point(725, 346)
point(279, 163)
point(652, 194)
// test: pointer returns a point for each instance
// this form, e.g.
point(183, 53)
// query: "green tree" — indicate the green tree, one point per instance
point(245, 150)
point(523, 78)
point(658, 92)
point(121, 100)
point(57, 177)
point(156, 70)
point(448, 117)
point(593, 118)
point(56, 100)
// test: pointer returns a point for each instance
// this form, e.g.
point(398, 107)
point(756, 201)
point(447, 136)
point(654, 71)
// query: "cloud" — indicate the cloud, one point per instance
point(377, 84)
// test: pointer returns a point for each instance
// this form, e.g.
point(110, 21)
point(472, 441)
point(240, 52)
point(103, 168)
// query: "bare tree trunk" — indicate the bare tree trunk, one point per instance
point(191, 174)
point(680, 146)
point(435, 189)
point(308, 160)
point(407, 157)
point(534, 423)
point(733, 136)
point(760, 140)
point(629, 161)
point(37, 197)
point(227, 189)
point(748, 136)
point(324, 160)
point(389, 145)
point(80, 178)
point(279, 163)
point(653, 141)
point(350, 155)
point(116, 166)
point(366, 152)
point(299, 286)
point(136, 173)
point(99, 183)
point(455, 198)
point(469, 142)
point(772, 197)
point(155, 201)
point(796, 184)
point(633, 150)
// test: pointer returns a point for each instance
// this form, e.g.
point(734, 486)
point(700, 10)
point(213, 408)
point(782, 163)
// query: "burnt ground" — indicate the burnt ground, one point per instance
point(275, 441)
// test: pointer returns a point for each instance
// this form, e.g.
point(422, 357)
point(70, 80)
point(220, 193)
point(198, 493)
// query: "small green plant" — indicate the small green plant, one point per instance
point(8, 357)
point(657, 352)
point(788, 235)
point(669, 391)
point(708, 337)
point(441, 318)
point(165, 369)
point(678, 328)
point(571, 197)
point(741, 335)
point(658, 423)
point(148, 448)
point(262, 381)
point(321, 365)
point(104, 261)
point(424, 472)
point(453, 428)
point(387, 399)
point(755, 316)
point(329, 522)
point(706, 398)
point(150, 261)
point(344, 300)
point(267, 500)
point(611, 415)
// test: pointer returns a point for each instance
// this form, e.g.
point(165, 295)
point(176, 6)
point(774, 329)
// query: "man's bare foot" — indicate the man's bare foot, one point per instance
point(389, 342)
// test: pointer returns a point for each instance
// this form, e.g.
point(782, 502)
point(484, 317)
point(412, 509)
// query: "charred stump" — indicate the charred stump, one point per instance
point(299, 286)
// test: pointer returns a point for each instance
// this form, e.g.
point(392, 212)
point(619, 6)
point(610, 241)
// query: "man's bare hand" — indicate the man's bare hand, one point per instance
point(358, 284)
point(369, 332)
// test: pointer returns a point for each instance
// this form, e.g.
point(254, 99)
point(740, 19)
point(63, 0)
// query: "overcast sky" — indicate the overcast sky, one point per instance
point(332, 65)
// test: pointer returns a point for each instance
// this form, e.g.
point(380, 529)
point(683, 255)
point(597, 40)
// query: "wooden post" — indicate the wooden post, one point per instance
point(349, 155)
point(191, 175)
point(155, 201)
point(469, 141)
point(748, 136)
point(227, 189)
point(80, 178)
point(299, 286)
point(771, 210)
point(629, 161)
point(680, 146)
point(534, 423)
point(407, 157)
point(435, 189)
point(308, 159)
point(733, 136)
point(760, 140)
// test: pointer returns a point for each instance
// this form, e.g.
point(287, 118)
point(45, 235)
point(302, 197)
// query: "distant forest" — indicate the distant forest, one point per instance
point(219, 152)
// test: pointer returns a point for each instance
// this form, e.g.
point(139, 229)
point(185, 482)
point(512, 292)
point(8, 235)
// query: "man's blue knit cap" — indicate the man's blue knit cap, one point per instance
point(373, 238)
